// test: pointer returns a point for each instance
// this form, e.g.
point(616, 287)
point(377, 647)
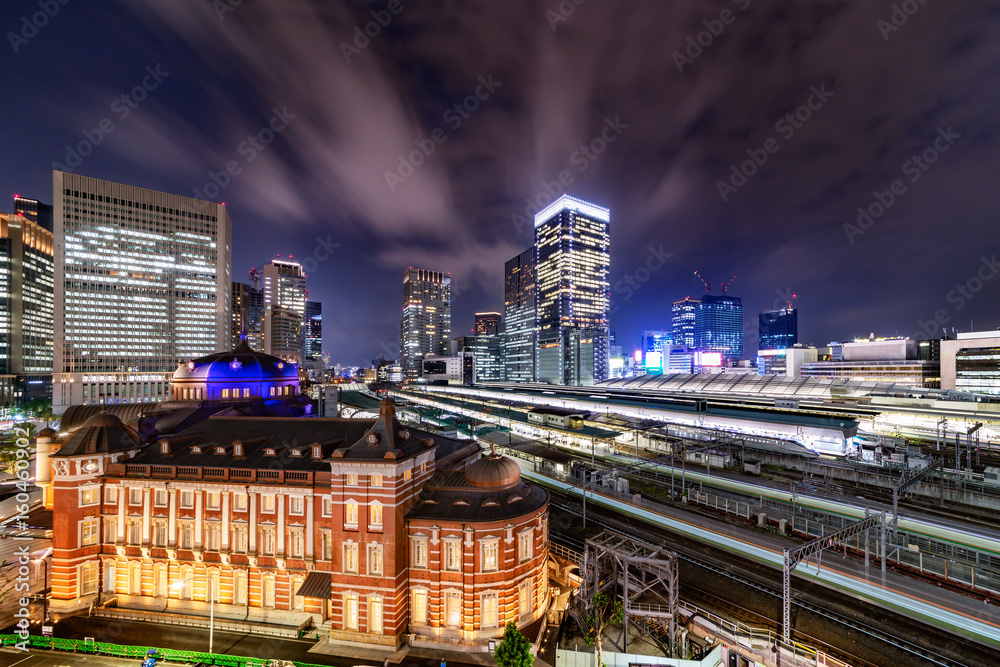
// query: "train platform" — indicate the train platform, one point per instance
point(963, 616)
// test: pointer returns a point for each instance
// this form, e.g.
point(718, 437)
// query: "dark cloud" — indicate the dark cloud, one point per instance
point(557, 84)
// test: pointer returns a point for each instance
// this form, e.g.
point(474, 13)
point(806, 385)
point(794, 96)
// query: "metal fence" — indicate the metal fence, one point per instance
point(138, 652)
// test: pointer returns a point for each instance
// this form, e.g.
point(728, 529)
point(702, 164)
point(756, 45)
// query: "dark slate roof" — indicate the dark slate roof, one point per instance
point(448, 496)
point(101, 434)
point(76, 415)
point(385, 440)
point(317, 584)
point(281, 434)
point(242, 364)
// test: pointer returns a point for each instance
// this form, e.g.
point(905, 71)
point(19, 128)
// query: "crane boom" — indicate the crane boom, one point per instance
point(708, 286)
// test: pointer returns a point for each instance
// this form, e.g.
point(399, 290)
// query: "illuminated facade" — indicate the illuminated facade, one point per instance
point(142, 279)
point(487, 355)
point(971, 362)
point(248, 315)
point(26, 295)
point(425, 327)
point(573, 260)
point(34, 210)
point(368, 529)
point(778, 329)
point(312, 330)
point(719, 326)
point(684, 315)
point(284, 286)
point(519, 313)
point(487, 324)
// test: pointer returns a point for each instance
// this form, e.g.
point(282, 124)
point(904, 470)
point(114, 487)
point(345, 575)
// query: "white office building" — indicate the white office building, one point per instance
point(142, 282)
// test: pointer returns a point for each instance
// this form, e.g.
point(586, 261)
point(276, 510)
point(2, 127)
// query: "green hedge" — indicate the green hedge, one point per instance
point(138, 652)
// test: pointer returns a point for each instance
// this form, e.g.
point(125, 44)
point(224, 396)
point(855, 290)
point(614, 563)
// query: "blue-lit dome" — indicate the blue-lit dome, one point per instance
point(238, 374)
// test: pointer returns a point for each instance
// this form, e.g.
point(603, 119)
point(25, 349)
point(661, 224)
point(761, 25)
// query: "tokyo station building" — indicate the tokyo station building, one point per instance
point(366, 529)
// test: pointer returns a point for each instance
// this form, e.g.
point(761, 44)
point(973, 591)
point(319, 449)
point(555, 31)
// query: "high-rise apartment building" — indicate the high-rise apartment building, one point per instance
point(684, 315)
point(26, 293)
point(313, 330)
point(487, 324)
point(519, 313)
point(142, 282)
point(248, 316)
point(778, 329)
point(425, 327)
point(573, 260)
point(719, 326)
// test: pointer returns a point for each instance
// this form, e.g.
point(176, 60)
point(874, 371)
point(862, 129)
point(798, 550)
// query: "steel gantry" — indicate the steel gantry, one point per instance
point(908, 480)
point(815, 548)
point(647, 576)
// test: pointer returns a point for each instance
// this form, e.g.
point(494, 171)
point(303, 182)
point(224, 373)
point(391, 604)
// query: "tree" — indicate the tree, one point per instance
point(606, 612)
point(514, 650)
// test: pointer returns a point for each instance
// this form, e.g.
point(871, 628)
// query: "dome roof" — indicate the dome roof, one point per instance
point(103, 433)
point(47, 432)
point(240, 364)
point(493, 471)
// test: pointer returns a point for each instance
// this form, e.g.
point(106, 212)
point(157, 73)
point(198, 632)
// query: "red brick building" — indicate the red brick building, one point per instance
point(367, 528)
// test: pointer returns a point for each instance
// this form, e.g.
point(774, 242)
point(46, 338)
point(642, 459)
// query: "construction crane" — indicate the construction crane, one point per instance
point(725, 286)
point(255, 273)
point(708, 286)
point(789, 302)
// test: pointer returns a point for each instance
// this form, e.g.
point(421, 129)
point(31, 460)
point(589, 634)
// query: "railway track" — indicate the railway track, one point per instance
point(694, 556)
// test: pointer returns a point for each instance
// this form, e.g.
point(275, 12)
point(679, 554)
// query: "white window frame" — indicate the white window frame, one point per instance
point(87, 572)
point(421, 602)
point(111, 494)
point(420, 551)
point(161, 493)
point(452, 546)
point(490, 555)
point(90, 531)
point(239, 502)
point(350, 606)
point(525, 545)
point(376, 614)
point(187, 499)
point(351, 507)
point(133, 493)
point(89, 495)
point(267, 503)
point(487, 599)
point(326, 508)
point(374, 559)
point(376, 514)
point(352, 557)
point(524, 598)
point(296, 505)
point(213, 500)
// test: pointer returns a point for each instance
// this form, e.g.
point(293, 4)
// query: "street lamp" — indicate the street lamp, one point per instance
point(211, 603)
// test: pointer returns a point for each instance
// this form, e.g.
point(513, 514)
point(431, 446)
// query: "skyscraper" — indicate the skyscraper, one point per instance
point(248, 315)
point(519, 313)
point(779, 329)
point(142, 281)
point(283, 283)
point(683, 317)
point(26, 277)
point(719, 326)
point(313, 330)
point(34, 210)
point(573, 259)
point(425, 327)
point(487, 324)
point(281, 331)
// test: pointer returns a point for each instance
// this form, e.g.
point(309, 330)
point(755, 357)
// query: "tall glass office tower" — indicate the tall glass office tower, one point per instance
point(25, 296)
point(778, 329)
point(684, 314)
point(425, 327)
point(142, 282)
point(719, 326)
point(283, 283)
point(573, 260)
point(519, 313)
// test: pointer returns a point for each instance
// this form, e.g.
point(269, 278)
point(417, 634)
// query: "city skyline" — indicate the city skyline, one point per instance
point(826, 182)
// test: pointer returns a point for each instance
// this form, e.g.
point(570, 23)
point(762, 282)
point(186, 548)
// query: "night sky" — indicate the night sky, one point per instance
point(642, 107)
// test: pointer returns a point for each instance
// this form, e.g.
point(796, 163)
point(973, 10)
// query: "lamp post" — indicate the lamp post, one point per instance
point(211, 603)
